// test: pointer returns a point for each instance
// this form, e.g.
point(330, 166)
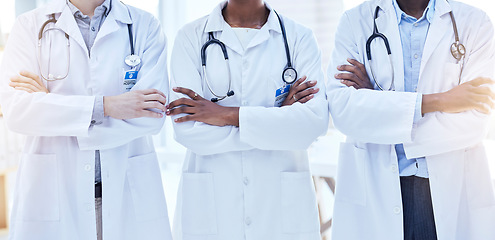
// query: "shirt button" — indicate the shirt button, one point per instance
point(416, 24)
point(93, 29)
point(87, 167)
point(246, 181)
point(416, 56)
point(396, 210)
point(248, 221)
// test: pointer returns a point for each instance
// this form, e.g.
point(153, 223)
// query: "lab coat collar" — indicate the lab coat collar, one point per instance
point(441, 6)
point(216, 22)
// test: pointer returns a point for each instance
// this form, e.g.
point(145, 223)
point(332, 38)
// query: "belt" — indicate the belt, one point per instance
point(97, 189)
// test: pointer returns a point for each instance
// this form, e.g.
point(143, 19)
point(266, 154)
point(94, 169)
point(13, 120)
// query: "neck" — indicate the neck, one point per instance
point(414, 8)
point(87, 7)
point(246, 13)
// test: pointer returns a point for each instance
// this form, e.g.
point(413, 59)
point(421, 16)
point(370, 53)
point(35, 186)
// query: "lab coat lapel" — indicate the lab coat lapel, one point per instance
point(68, 24)
point(388, 26)
point(118, 13)
point(440, 26)
point(272, 24)
point(230, 39)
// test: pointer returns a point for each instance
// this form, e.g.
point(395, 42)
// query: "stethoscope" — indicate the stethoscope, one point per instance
point(457, 49)
point(132, 60)
point(289, 74)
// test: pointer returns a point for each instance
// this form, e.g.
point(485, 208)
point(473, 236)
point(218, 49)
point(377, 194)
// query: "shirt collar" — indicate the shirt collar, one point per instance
point(105, 7)
point(215, 21)
point(428, 13)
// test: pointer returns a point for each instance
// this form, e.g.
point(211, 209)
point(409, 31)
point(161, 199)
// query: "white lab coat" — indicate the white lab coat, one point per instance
point(249, 182)
point(368, 198)
point(54, 195)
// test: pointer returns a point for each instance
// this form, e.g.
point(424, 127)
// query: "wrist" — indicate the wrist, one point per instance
point(432, 103)
point(106, 105)
point(232, 116)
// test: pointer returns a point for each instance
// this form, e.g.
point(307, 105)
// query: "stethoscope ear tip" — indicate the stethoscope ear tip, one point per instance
point(230, 93)
point(214, 99)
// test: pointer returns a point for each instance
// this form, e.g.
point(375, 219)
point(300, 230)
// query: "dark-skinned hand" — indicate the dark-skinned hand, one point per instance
point(202, 110)
point(301, 91)
point(354, 75)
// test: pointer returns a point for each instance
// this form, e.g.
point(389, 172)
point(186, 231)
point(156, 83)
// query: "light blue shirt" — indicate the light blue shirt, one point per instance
point(413, 34)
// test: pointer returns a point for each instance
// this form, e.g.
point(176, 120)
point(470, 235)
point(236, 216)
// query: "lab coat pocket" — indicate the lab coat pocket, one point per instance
point(299, 207)
point(451, 75)
point(145, 183)
point(38, 188)
point(198, 208)
point(351, 177)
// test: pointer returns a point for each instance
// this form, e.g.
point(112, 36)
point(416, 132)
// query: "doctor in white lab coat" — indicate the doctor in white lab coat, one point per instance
point(55, 191)
point(246, 173)
point(449, 135)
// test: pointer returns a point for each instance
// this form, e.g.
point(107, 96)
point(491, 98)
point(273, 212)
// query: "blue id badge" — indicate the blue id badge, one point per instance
point(130, 79)
point(281, 94)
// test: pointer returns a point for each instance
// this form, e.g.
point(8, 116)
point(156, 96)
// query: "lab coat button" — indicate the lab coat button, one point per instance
point(396, 210)
point(87, 167)
point(246, 181)
point(394, 168)
point(244, 103)
point(88, 207)
point(248, 221)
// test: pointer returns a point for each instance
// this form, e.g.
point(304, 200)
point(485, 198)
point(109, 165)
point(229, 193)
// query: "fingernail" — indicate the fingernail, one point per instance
point(317, 89)
point(167, 112)
point(336, 75)
point(176, 89)
point(312, 81)
point(176, 120)
point(342, 81)
point(339, 67)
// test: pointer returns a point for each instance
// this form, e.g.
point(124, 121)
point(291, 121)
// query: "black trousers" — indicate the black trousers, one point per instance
point(419, 223)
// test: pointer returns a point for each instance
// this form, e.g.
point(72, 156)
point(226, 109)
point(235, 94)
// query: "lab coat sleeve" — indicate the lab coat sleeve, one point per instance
point(292, 127)
point(37, 114)
point(152, 75)
point(440, 132)
point(381, 117)
point(198, 137)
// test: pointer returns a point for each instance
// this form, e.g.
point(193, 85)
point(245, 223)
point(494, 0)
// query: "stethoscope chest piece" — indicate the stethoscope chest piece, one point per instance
point(132, 60)
point(289, 75)
point(458, 50)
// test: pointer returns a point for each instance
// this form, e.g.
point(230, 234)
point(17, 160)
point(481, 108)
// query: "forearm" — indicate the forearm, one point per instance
point(431, 103)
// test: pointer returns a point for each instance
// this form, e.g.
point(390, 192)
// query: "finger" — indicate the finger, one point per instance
point(180, 110)
point(306, 99)
point(151, 91)
point(22, 79)
point(156, 97)
point(186, 118)
point(356, 63)
point(356, 71)
point(485, 99)
point(307, 92)
point(150, 114)
point(154, 104)
point(181, 101)
point(306, 85)
point(350, 83)
point(348, 77)
point(190, 93)
point(299, 81)
point(480, 81)
point(484, 91)
point(482, 108)
point(24, 85)
point(24, 89)
point(33, 76)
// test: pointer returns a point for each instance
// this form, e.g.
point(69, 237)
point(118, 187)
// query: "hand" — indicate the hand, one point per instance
point(135, 104)
point(356, 75)
point(301, 92)
point(202, 110)
point(29, 82)
point(470, 95)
